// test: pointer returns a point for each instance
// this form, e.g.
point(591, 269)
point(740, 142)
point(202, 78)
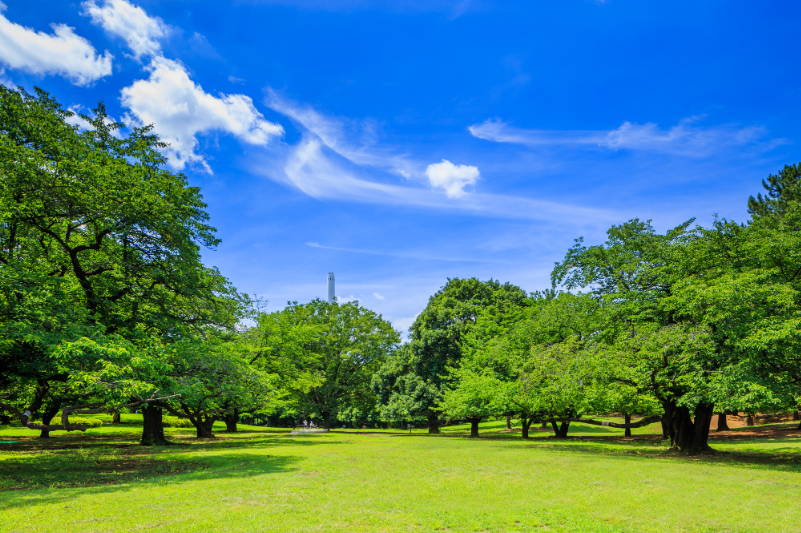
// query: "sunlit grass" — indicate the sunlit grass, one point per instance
point(265, 479)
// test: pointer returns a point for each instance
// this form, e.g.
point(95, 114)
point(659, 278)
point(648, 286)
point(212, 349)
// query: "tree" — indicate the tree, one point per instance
point(97, 242)
point(337, 348)
point(435, 345)
point(212, 379)
point(691, 321)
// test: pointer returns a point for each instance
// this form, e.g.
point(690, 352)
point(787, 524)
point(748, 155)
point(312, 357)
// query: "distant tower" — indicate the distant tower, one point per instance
point(331, 294)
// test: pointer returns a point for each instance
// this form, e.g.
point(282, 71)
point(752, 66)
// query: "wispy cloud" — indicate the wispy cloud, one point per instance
point(687, 138)
point(378, 296)
point(401, 254)
point(342, 159)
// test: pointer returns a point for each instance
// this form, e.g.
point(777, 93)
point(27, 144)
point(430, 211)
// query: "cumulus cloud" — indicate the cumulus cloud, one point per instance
point(180, 109)
point(61, 53)
point(686, 138)
point(451, 178)
point(119, 17)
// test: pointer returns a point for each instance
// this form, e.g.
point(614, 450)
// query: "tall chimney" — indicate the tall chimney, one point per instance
point(331, 294)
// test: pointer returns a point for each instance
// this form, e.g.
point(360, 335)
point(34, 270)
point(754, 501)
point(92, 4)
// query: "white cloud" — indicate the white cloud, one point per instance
point(378, 296)
point(686, 138)
point(451, 178)
point(119, 17)
point(61, 53)
point(180, 109)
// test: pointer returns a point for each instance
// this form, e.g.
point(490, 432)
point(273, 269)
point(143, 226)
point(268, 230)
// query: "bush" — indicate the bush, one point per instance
point(178, 423)
point(91, 422)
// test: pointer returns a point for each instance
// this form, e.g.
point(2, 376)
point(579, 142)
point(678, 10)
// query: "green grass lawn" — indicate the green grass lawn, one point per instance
point(377, 480)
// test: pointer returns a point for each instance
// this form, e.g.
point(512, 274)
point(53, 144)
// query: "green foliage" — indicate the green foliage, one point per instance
point(178, 423)
point(91, 422)
point(413, 381)
point(328, 353)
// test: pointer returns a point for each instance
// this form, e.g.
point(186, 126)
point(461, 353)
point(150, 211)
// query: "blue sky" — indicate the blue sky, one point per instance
point(399, 143)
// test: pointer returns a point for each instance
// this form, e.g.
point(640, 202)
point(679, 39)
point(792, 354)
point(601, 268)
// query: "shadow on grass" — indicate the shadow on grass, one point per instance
point(114, 460)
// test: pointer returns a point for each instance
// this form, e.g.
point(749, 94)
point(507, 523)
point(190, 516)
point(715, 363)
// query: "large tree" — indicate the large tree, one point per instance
point(97, 241)
point(335, 349)
point(418, 377)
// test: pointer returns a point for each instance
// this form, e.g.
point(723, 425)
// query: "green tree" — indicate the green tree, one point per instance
point(337, 349)
point(97, 242)
point(417, 380)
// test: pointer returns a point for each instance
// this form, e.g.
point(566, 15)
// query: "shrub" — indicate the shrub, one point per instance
point(178, 423)
point(91, 422)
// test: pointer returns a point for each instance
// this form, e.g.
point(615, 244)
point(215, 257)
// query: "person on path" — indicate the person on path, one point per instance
point(305, 424)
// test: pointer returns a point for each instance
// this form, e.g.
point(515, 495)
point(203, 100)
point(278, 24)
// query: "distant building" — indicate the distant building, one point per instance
point(331, 293)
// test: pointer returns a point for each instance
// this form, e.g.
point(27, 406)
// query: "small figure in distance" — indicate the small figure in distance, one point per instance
point(305, 424)
point(311, 424)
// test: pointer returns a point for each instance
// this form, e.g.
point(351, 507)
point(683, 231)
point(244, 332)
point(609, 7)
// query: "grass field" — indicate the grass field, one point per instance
point(268, 480)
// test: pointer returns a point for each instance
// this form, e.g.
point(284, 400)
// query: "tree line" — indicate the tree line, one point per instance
point(105, 306)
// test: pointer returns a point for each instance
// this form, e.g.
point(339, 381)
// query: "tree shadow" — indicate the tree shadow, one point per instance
point(109, 463)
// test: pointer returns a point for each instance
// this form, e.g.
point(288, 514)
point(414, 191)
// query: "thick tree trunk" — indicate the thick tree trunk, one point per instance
point(689, 436)
point(627, 431)
point(48, 415)
point(723, 424)
point(795, 416)
point(749, 419)
point(433, 423)
point(509, 422)
point(665, 424)
point(474, 427)
point(204, 427)
point(115, 418)
point(544, 425)
point(326, 417)
point(153, 427)
point(230, 421)
point(560, 431)
point(525, 424)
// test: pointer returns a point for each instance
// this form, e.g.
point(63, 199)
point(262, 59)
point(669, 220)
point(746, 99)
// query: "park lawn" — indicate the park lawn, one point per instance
point(265, 479)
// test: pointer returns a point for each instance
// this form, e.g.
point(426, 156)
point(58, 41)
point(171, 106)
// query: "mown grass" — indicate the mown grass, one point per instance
point(377, 480)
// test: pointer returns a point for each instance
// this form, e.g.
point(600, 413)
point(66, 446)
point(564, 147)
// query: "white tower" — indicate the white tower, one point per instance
point(331, 294)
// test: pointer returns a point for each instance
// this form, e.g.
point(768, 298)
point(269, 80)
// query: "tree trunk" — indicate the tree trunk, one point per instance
point(665, 424)
point(474, 427)
point(204, 427)
point(560, 431)
point(326, 426)
point(230, 421)
point(433, 423)
point(525, 424)
point(627, 418)
point(115, 418)
point(544, 424)
point(48, 415)
point(153, 427)
point(723, 424)
point(749, 419)
point(688, 436)
point(795, 416)
point(509, 422)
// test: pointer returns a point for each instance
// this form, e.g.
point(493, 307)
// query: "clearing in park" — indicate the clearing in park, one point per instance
point(263, 479)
